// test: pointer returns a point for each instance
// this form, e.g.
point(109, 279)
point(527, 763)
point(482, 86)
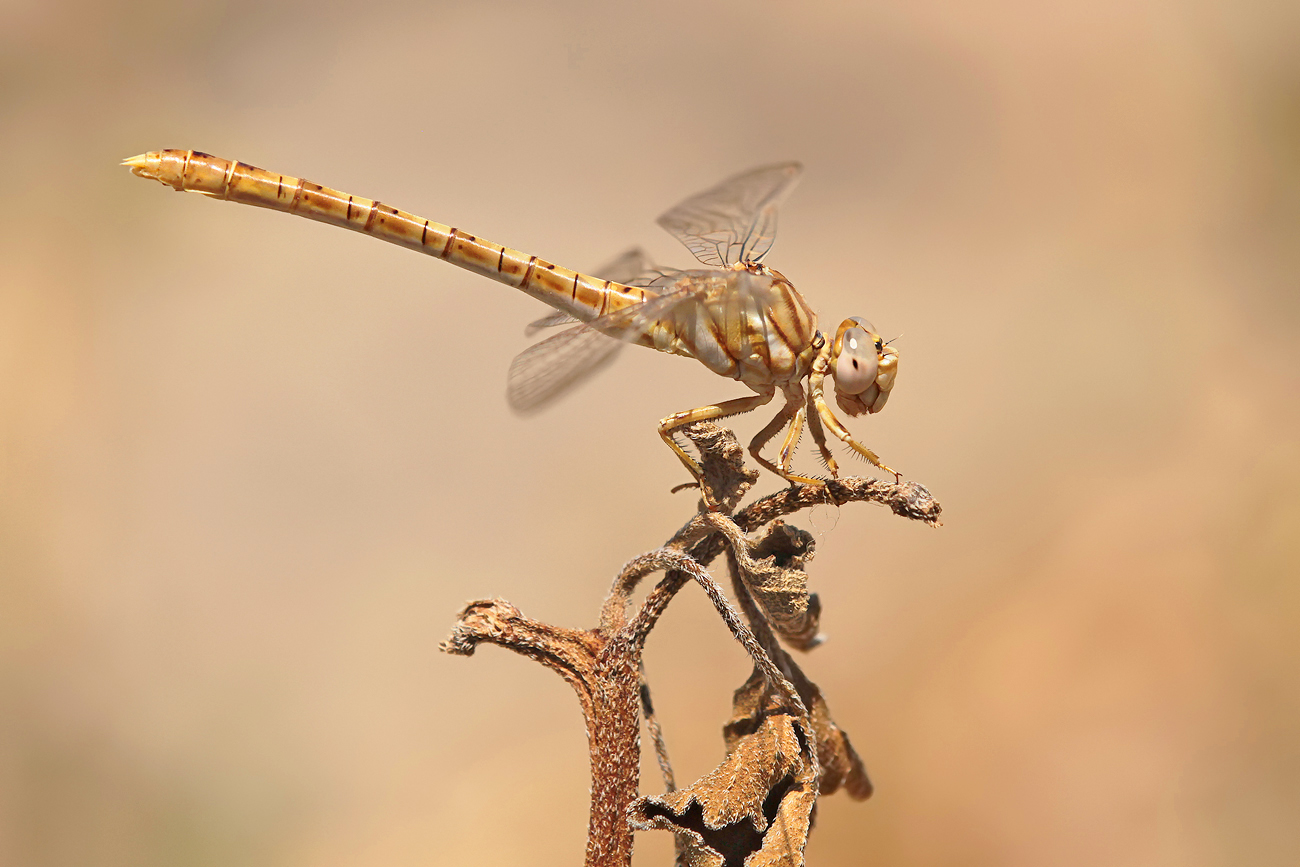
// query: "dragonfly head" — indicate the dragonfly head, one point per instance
point(863, 367)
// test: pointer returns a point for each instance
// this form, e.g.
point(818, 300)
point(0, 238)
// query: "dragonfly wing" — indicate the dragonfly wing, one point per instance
point(550, 320)
point(626, 267)
point(545, 370)
point(634, 268)
point(735, 221)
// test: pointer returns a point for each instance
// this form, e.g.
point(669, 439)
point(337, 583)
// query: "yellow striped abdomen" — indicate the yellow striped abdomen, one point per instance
point(579, 295)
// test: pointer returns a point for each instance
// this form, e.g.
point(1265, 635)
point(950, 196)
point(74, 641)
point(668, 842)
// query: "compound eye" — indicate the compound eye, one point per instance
point(856, 365)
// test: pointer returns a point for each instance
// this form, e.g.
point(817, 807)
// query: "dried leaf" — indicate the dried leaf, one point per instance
point(722, 460)
point(840, 763)
point(776, 577)
point(754, 809)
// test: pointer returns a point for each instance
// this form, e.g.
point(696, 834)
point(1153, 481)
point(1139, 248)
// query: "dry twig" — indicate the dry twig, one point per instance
point(783, 748)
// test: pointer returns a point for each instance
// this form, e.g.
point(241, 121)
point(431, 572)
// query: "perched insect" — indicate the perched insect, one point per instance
point(738, 317)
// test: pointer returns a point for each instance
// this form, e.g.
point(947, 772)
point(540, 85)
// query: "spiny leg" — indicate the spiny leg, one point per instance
point(819, 437)
point(707, 413)
point(794, 397)
point(788, 447)
point(841, 433)
point(792, 413)
point(770, 430)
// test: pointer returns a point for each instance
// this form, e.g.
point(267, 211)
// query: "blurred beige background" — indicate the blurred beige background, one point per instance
point(250, 466)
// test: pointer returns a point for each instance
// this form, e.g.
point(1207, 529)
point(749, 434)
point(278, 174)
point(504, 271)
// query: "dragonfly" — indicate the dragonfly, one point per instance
point(740, 318)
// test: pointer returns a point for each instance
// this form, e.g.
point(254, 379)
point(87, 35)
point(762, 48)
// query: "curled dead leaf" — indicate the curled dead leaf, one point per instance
point(754, 809)
point(774, 573)
point(840, 764)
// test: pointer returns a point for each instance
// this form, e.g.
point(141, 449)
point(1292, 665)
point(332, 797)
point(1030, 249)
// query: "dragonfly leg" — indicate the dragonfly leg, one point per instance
point(819, 437)
point(765, 435)
point(707, 413)
point(792, 440)
point(819, 415)
point(793, 413)
point(833, 424)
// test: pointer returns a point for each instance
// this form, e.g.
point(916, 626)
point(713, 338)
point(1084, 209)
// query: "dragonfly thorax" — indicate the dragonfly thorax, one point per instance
point(750, 325)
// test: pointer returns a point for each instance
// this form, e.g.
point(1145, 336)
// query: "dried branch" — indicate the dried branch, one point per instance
point(783, 748)
point(603, 670)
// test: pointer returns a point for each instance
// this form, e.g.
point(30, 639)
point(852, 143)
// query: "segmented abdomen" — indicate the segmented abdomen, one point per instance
point(579, 295)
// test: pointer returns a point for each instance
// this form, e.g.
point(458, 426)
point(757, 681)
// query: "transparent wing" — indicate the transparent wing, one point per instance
point(633, 268)
point(735, 221)
point(545, 370)
point(626, 268)
point(550, 320)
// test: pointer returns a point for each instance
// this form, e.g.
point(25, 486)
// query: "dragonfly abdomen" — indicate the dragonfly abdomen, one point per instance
point(579, 295)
